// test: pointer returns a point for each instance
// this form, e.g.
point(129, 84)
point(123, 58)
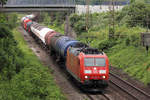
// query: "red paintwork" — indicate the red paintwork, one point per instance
point(25, 23)
point(48, 36)
point(29, 30)
point(75, 65)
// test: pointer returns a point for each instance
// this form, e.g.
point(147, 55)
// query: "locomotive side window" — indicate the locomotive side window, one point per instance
point(100, 62)
point(94, 62)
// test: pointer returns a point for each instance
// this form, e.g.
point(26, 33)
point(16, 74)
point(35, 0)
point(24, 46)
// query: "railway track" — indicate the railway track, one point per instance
point(107, 98)
point(128, 88)
point(98, 97)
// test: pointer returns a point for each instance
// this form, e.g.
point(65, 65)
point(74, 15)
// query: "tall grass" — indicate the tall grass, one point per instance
point(33, 82)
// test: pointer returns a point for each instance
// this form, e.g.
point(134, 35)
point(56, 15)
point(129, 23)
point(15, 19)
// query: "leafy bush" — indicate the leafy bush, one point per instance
point(135, 14)
point(2, 18)
point(9, 55)
point(74, 18)
point(34, 82)
point(80, 27)
point(106, 44)
point(47, 19)
point(78, 23)
point(12, 19)
point(59, 18)
point(96, 21)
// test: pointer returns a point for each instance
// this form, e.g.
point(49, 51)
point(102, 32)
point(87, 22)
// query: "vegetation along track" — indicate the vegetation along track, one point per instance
point(128, 88)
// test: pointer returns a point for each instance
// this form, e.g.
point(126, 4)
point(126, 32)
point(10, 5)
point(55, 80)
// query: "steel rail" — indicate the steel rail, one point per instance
point(146, 96)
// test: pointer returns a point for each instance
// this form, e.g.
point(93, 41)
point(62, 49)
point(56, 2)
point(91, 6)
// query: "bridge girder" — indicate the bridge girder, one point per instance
point(35, 8)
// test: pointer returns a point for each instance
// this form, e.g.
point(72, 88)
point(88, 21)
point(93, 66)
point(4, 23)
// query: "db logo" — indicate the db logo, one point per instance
point(95, 71)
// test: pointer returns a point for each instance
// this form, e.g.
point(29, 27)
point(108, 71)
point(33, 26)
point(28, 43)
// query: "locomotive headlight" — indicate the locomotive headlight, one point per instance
point(102, 71)
point(87, 71)
point(86, 77)
point(103, 76)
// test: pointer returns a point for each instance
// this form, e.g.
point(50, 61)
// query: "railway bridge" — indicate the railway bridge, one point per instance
point(38, 5)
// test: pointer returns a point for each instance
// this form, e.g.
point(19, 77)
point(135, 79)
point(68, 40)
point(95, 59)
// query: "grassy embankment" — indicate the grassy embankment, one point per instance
point(37, 76)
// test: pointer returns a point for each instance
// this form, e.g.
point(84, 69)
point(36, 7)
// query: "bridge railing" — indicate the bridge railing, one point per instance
point(40, 2)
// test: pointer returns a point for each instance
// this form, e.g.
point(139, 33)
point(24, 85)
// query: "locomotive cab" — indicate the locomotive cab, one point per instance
point(88, 66)
point(95, 70)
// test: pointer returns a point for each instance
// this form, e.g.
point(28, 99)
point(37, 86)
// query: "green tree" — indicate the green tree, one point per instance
point(47, 19)
point(78, 23)
point(59, 18)
point(2, 2)
point(132, 1)
point(2, 18)
point(12, 19)
point(136, 14)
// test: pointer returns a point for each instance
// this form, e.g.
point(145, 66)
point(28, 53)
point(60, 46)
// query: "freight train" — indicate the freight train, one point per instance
point(88, 66)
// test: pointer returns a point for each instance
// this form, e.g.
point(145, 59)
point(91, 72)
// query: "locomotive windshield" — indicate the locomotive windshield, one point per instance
point(94, 62)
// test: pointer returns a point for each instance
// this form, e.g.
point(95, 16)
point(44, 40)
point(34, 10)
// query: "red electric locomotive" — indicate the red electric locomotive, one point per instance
point(88, 66)
point(25, 24)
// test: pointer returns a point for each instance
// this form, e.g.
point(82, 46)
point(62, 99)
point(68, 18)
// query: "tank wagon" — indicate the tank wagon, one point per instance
point(40, 31)
point(86, 65)
point(62, 43)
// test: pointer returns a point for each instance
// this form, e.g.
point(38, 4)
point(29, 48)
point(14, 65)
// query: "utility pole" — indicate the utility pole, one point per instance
point(112, 19)
point(113, 16)
point(147, 20)
point(87, 14)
